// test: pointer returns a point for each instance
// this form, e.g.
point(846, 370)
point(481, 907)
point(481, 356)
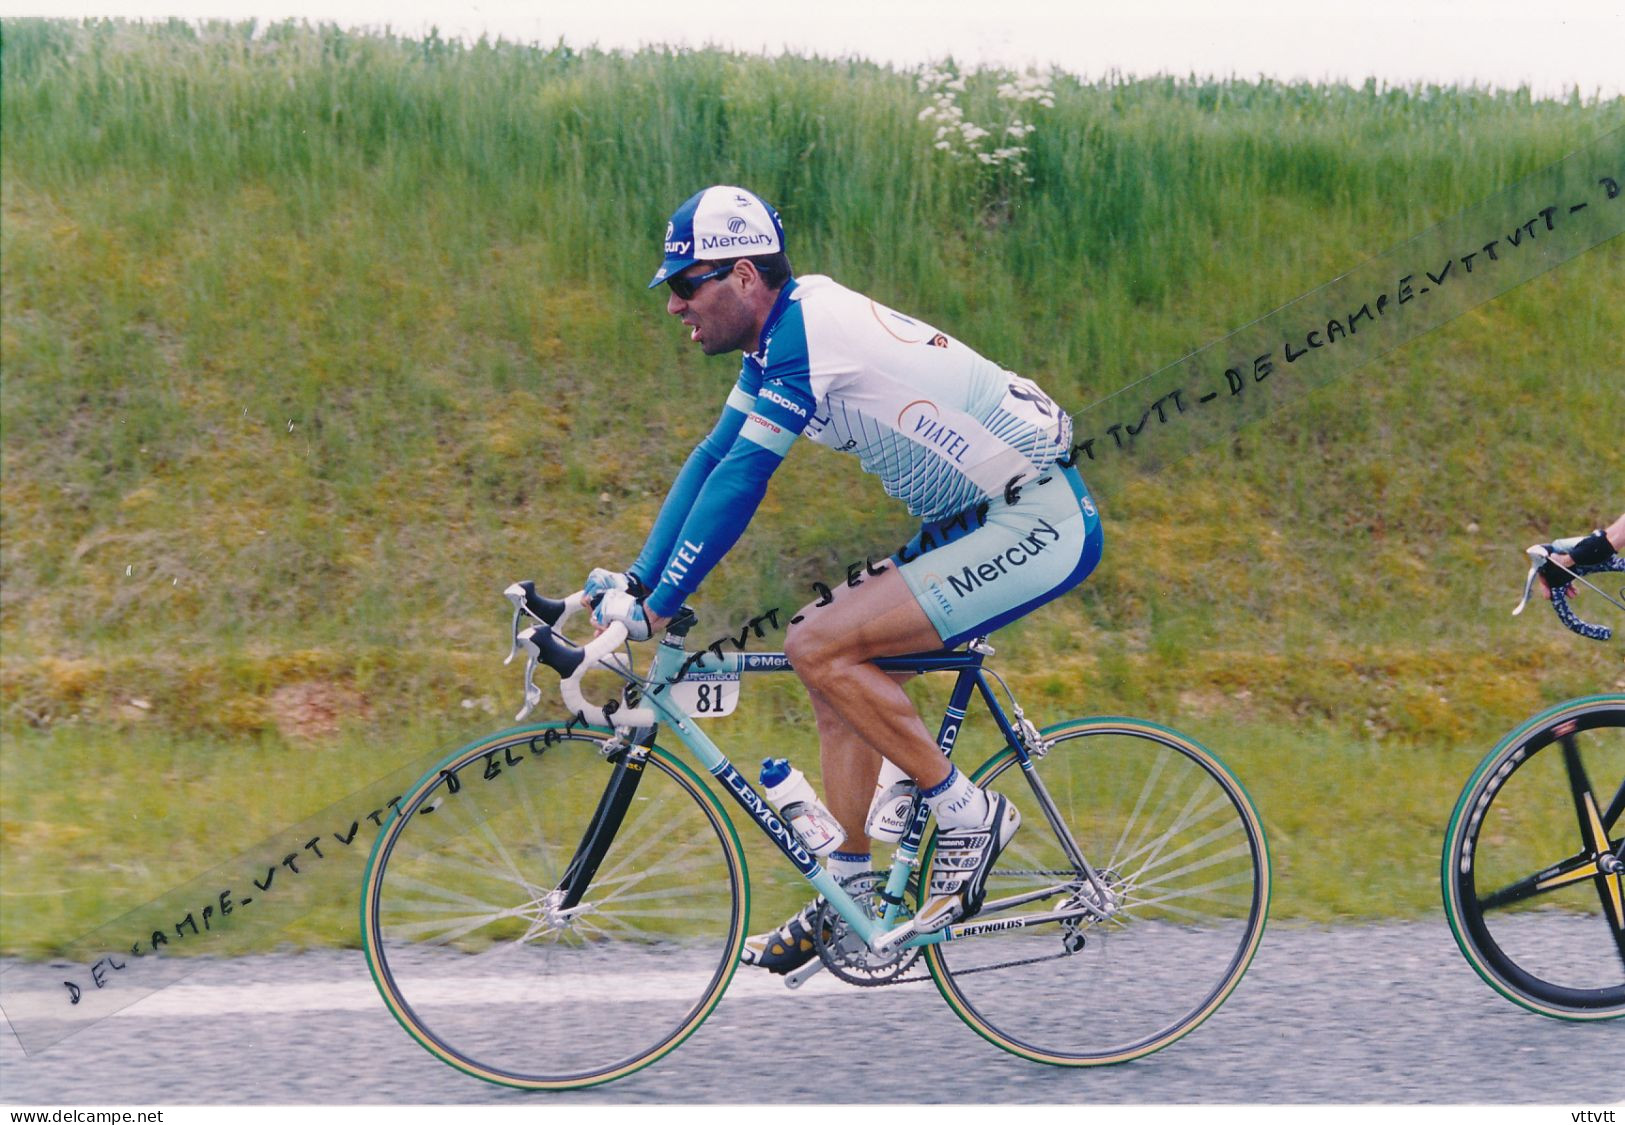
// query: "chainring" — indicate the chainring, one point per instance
point(847, 955)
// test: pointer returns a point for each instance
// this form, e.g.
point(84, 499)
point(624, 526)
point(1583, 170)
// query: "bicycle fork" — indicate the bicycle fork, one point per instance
point(629, 759)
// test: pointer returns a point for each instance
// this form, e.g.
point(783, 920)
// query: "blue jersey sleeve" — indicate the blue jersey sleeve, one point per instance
point(679, 502)
point(731, 492)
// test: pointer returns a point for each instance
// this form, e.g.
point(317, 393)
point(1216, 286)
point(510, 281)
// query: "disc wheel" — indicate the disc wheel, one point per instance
point(1534, 859)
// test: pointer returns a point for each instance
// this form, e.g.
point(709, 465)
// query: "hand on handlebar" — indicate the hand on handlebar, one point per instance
point(1560, 566)
point(1566, 554)
point(618, 605)
point(600, 582)
point(543, 647)
point(1555, 574)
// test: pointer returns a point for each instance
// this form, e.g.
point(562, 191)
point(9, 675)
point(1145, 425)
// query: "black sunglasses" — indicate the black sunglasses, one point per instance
point(685, 286)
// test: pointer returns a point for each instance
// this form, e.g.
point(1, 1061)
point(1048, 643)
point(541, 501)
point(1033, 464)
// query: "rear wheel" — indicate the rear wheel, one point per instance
point(1181, 856)
point(1534, 859)
point(482, 961)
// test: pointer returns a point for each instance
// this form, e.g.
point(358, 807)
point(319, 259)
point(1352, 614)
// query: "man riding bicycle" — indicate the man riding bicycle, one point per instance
point(973, 450)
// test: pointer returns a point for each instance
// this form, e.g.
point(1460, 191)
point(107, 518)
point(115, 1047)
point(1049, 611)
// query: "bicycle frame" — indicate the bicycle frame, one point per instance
point(880, 934)
point(1159, 811)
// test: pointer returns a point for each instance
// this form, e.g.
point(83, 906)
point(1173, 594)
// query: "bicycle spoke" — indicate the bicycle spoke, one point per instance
point(1595, 834)
point(1610, 818)
point(1159, 862)
point(1176, 848)
point(476, 886)
point(1579, 787)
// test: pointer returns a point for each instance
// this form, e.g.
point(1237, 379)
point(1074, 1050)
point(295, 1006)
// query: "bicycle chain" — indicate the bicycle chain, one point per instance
point(982, 968)
point(968, 972)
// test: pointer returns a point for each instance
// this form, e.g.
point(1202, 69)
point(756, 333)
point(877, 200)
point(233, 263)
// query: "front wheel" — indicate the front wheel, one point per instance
point(1142, 958)
point(487, 964)
point(1534, 859)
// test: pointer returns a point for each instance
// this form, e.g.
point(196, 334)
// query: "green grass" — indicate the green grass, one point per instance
point(314, 341)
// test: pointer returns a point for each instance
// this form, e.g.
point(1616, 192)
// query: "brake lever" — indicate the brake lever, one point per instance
point(533, 693)
point(1539, 554)
point(515, 593)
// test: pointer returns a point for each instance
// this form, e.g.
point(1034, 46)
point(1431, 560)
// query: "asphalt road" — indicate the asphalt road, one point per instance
point(1356, 1014)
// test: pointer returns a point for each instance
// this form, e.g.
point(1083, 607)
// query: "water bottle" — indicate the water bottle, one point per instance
point(792, 794)
point(888, 811)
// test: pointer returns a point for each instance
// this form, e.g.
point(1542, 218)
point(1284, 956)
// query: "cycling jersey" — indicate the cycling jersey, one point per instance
point(943, 428)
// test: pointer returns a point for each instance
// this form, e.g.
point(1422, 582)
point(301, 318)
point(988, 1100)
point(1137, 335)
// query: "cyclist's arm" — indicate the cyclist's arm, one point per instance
point(1616, 534)
point(680, 498)
point(732, 492)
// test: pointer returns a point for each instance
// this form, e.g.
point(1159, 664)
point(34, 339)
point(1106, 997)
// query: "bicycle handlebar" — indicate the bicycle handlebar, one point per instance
point(1541, 554)
point(543, 646)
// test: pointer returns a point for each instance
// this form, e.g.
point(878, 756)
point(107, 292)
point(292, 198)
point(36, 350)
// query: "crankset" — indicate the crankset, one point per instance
point(847, 955)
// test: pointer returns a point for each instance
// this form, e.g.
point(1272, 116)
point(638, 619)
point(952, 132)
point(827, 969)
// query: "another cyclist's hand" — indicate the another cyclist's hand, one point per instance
point(1586, 550)
point(1553, 577)
point(618, 605)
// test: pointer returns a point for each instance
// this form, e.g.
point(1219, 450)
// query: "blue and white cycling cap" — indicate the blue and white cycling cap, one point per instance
point(717, 223)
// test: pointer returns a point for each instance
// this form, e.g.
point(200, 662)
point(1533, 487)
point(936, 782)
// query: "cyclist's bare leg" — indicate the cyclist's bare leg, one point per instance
point(850, 767)
point(831, 647)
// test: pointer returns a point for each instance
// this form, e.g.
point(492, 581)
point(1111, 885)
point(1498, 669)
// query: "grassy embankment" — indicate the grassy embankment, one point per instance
point(312, 342)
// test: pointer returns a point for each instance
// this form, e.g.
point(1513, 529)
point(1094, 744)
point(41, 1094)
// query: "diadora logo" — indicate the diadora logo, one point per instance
point(670, 230)
point(741, 200)
point(773, 396)
point(736, 225)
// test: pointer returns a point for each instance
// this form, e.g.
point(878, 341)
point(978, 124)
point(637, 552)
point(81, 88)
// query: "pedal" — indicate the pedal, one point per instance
point(795, 978)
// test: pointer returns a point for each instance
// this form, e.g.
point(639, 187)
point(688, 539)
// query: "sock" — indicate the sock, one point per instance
point(844, 865)
point(956, 802)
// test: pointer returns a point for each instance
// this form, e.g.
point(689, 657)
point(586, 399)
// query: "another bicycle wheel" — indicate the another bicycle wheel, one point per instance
point(1533, 862)
point(1181, 853)
point(480, 960)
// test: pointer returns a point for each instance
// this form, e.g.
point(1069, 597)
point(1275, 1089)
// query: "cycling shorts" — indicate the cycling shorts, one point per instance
point(991, 564)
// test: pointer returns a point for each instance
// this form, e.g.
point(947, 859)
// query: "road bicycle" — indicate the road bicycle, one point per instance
point(1534, 853)
point(561, 904)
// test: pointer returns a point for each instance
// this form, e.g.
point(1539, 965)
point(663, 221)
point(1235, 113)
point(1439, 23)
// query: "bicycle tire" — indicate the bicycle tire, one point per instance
point(476, 966)
point(1177, 839)
point(1525, 868)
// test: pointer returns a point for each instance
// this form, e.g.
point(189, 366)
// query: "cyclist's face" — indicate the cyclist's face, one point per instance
point(720, 318)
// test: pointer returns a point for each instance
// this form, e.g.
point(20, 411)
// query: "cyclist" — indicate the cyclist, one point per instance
point(1598, 547)
point(978, 453)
